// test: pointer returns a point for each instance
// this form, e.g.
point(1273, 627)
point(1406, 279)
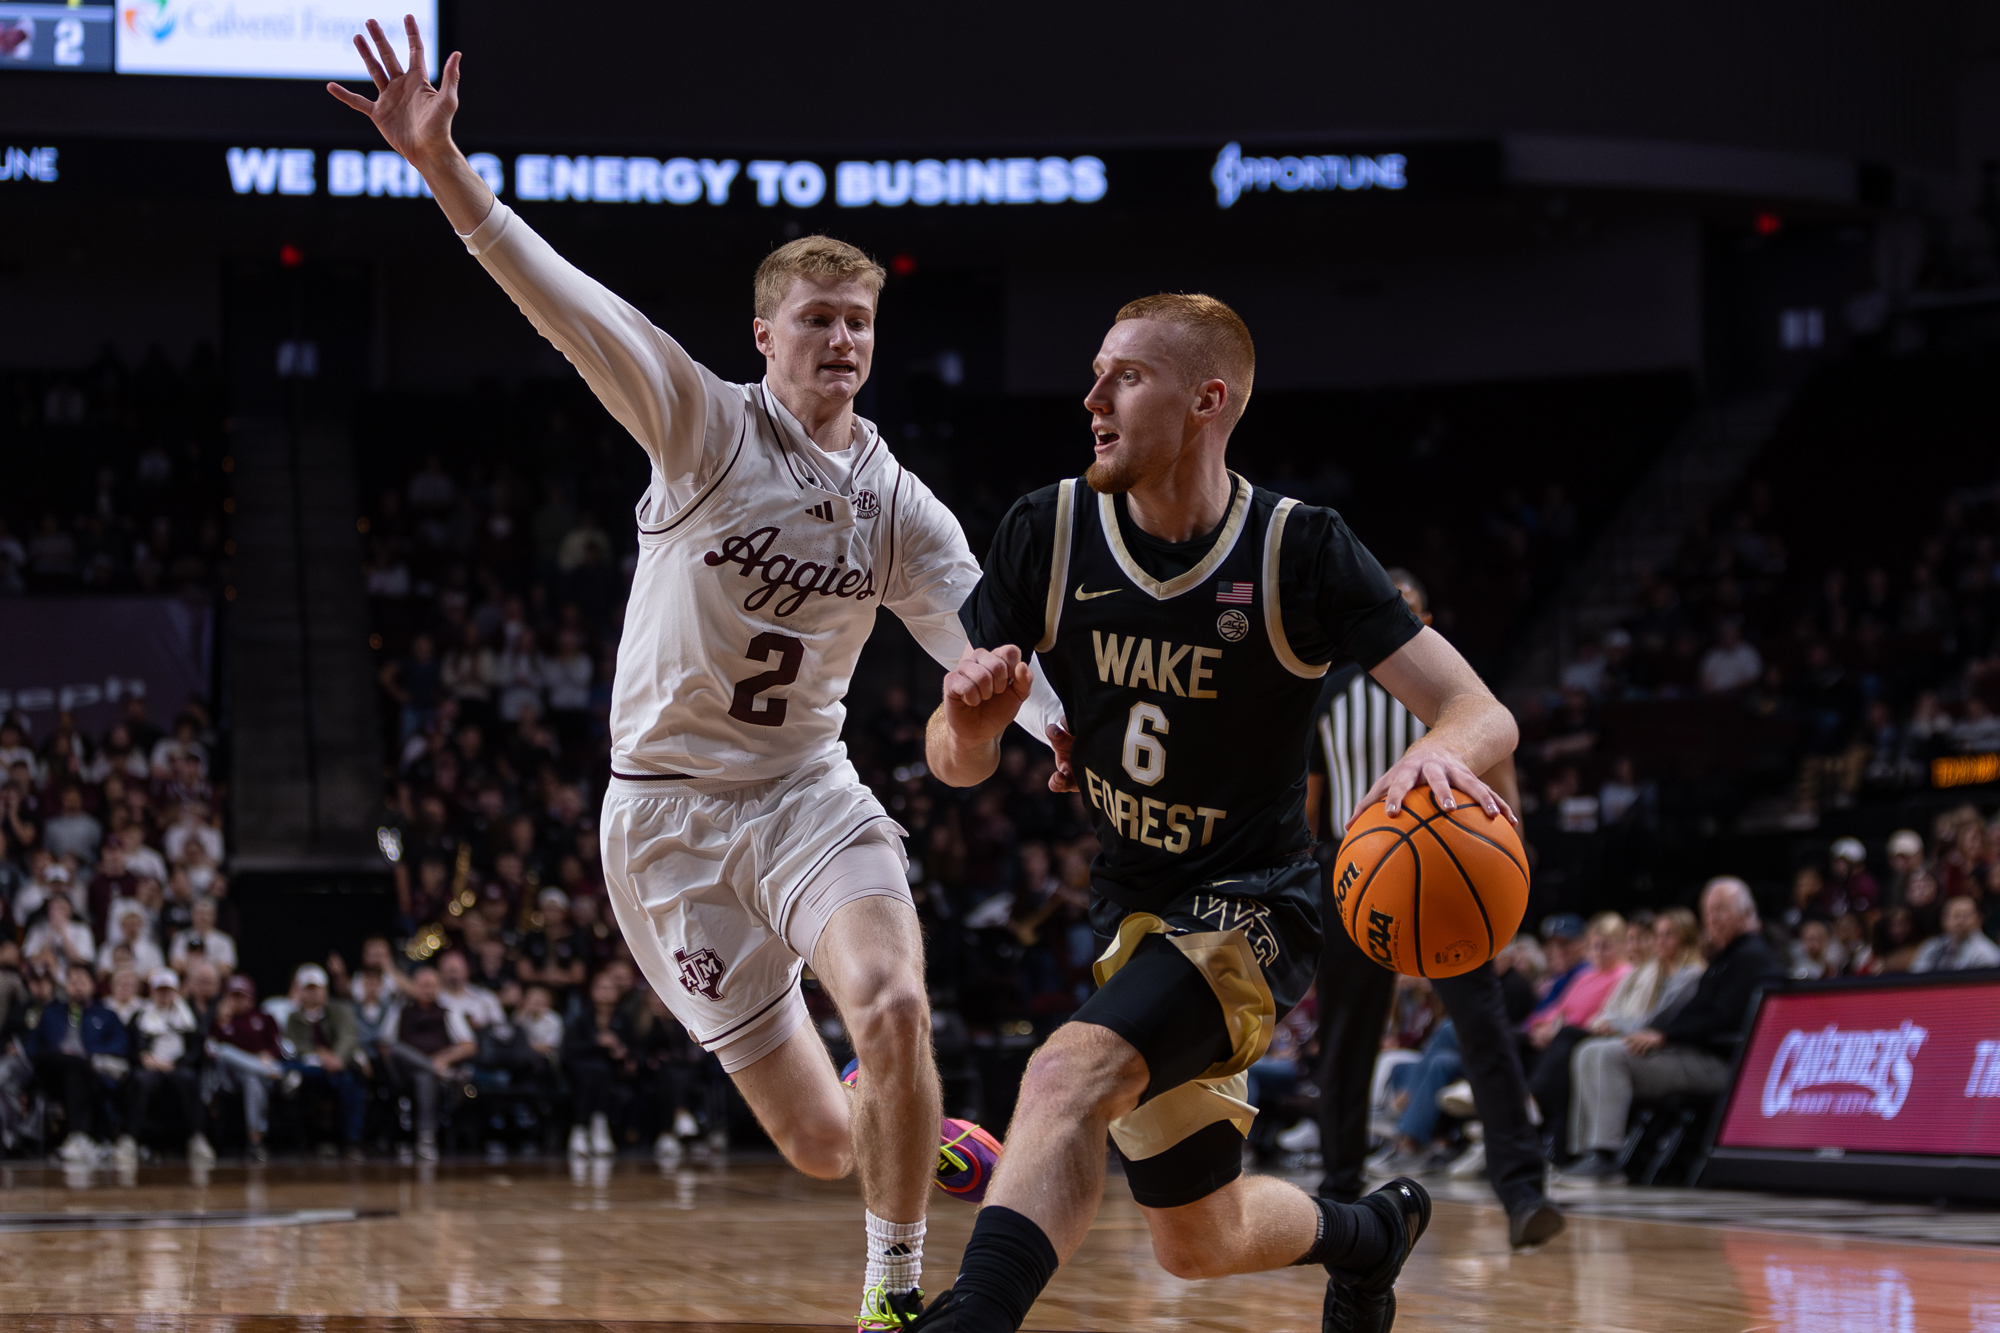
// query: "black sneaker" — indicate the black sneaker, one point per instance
point(941, 1317)
point(1533, 1222)
point(1366, 1303)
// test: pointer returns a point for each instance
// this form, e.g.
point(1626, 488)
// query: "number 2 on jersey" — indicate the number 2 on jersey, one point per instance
point(791, 652)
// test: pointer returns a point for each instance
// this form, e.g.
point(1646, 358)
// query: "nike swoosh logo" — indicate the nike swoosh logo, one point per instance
point(1083, 596)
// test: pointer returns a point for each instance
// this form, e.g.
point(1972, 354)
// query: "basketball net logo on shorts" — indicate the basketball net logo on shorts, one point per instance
point(701, 972)
point(804, 578)
point(1878, 1061)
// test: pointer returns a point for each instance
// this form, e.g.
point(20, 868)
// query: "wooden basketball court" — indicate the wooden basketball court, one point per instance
point(547, 1245)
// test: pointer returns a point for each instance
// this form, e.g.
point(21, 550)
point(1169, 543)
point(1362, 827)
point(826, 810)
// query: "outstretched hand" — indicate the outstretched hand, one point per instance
point(413, 116)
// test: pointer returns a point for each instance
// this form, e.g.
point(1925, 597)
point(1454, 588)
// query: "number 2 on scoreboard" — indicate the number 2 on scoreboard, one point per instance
point(791, 653)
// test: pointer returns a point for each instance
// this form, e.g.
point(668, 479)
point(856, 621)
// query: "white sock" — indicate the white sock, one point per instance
point(895, 1255)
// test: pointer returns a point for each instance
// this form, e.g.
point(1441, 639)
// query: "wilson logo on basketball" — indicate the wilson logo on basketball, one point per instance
point(798, 579)
point(1344, 883)
point(701, 972)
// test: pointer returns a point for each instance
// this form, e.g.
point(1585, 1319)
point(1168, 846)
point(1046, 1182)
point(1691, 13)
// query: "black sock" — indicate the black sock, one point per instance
point(1007, 1263)
point(1352, 1238)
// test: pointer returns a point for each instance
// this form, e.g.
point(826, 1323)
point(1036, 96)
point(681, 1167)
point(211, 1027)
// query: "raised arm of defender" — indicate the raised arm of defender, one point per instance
point(645, 380)
point(415, 119)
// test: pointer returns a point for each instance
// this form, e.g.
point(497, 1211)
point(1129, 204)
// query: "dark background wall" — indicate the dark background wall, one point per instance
point(1856, 77)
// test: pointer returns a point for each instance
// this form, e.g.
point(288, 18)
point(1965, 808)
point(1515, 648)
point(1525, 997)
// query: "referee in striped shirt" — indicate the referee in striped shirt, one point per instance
point(1362, 730)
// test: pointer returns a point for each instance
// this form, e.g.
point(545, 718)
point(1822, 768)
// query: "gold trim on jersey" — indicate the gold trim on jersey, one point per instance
point(1225, 542)
point(1274, 621)
point(1221, 1092)
point(1059, 567)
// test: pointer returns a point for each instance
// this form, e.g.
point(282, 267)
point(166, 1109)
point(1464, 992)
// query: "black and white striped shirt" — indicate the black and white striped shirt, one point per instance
point(1362, 730)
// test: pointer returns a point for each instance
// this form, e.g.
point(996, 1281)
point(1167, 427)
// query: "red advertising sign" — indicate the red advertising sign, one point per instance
point(1890, 1069)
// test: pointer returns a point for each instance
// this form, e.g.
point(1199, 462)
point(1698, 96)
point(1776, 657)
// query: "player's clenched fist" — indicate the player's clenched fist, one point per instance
point(984, 692)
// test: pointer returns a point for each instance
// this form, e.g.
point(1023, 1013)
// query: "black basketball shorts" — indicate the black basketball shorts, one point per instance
point(1197, 989)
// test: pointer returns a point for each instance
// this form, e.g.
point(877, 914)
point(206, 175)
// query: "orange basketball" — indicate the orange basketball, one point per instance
point(1430, 892)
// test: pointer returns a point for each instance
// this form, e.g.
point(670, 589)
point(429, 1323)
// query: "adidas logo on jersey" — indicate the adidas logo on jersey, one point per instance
point(785, 578)
point(823, 511)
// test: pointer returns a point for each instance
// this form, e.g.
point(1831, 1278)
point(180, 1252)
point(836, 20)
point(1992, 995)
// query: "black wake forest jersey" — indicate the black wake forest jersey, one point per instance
point(1189, 670)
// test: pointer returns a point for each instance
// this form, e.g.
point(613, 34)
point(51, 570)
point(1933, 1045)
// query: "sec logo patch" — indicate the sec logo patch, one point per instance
point(866, 505)
point(1232, 625)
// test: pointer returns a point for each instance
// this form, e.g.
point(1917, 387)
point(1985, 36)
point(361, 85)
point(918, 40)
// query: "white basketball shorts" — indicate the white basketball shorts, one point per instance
point(705, 877)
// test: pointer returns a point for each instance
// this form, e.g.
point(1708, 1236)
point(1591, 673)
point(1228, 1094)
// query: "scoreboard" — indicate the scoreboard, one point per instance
point(257, 39)
point(74, 35)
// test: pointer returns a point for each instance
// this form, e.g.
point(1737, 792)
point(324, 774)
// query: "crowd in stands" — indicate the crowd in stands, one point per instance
point(116, 478)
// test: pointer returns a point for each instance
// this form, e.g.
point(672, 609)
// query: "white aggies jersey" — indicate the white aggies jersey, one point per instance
point(762, 558)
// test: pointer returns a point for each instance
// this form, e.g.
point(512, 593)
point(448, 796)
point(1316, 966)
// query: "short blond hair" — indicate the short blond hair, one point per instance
point(812, 257)
point(1215, 338)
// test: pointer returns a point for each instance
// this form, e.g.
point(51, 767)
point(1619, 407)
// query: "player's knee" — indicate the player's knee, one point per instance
point(1079, 1076)
point(1183, 1254)
point(893, 1019)
point(824, 1152)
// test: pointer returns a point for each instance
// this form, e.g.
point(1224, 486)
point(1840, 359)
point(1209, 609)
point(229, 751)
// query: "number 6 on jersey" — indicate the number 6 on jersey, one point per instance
point(1145, 758)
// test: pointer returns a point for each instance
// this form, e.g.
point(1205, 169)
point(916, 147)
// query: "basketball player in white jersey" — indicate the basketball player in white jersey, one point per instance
point(738, 842)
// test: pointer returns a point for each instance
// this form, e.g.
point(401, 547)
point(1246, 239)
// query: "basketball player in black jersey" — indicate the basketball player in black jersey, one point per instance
point(1185, 620)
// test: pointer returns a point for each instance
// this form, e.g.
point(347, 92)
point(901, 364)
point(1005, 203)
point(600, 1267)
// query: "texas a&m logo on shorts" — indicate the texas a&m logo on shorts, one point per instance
point(701, 972)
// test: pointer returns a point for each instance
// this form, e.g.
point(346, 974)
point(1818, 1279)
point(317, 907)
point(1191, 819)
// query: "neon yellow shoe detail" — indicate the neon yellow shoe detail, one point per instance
point(883, 1311)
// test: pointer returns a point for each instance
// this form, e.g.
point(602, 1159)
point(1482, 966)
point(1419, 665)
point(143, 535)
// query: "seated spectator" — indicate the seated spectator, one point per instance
point(426, 1045)
point(674, 1074)
point(1814, 954)
point(79, 1052)
point(195, 825)
point(47, 879)
point(167, 1051)
point(492, 970)
point(1563, 948)
point(373, 1010)
point(543, 1025)
point(126, 996)
point(131, 928)
point(184, 744)
point(204, 992)
point(1962, 947)
point(1730, 664)
point(248, 1055)
point(478, 1006)
point(1850, 933)
point(595, 1050)
point(72, 830)
point(326, 1037)
point(140, 859)
point(1906, 858)
point(202, 937)
point(1850, 888)
point(1557, 1028)
point(1690, 1052)
point(380, 962)
point(549, 956)
point(112, 883)
point(61, 936)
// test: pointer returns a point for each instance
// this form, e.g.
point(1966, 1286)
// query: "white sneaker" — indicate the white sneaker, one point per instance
point(427, 1148)
point(1470, 1164)
point(126, 1151)
point(579, 1141)
point(77, 1148)
point(668, 1149)
point(600, 1137)
point(1302, 1137)
point(1455, 1100)
point(684, 1125)
point(199, 1151)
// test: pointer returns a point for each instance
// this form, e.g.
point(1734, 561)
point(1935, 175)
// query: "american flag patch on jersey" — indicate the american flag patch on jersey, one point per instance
point(1234, 594)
